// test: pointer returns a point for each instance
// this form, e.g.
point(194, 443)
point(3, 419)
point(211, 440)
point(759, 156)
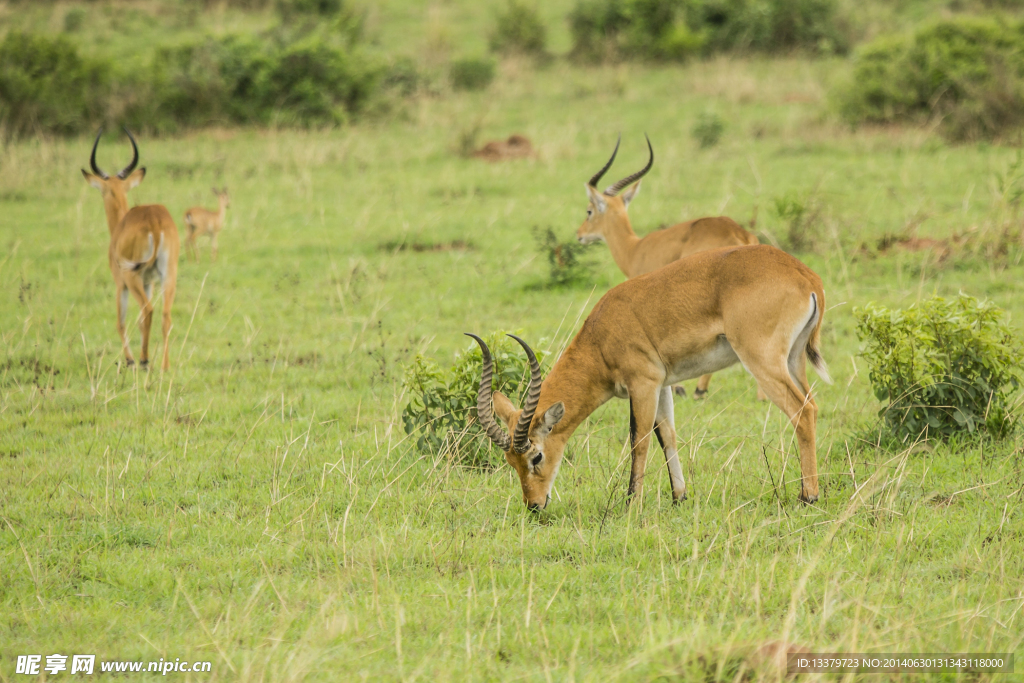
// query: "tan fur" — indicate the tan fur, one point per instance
point(608, 220)
point(138, 238)
point(200, 221)
point(652, 330)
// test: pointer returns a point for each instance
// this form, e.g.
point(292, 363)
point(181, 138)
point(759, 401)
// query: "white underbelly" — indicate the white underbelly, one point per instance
point(717, 357)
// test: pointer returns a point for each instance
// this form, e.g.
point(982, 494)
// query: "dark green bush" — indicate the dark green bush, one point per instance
point(471, 74)
point(45, 85)
point(943, 366)
point(519, 30)
point(609, 30)
point(569, 262)
point(442, 403)
point(967, 72)
point(708, 129)
point(673, 30)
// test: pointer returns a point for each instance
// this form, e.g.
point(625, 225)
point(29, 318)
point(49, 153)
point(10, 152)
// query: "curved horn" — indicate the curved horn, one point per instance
point(123, 173)
point(483, 399)
point(92, 159)
point(597, 176)
point(617, 187)
point(521, 437)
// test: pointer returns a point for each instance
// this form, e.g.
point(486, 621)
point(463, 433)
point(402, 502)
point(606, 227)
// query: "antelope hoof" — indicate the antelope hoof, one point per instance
point(698, 394)
point(679, 390)
point(144, 365)
point(808, 499)
point(676, 500)
point(129, 362)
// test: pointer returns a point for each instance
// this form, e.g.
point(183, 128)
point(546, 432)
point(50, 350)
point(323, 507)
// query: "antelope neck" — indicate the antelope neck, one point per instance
point(116, 206)
point(622, 242)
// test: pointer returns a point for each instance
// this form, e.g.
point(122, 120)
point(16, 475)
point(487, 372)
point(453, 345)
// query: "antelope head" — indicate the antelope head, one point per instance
point(525, 435)
point(115, 188)
point(607, 209)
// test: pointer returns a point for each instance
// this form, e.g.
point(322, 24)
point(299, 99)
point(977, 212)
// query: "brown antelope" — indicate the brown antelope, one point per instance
point(756, 304)
point(143, 249)
point(607, 220)
point(202, 221)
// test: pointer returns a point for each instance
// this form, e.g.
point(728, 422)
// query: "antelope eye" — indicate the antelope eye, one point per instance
point(536, 459)
point(590, 212)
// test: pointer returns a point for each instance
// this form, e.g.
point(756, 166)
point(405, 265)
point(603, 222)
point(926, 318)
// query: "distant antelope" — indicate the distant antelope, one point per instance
point(756, 305)
point(143, 249)
point(202, 221)
point(607, 220)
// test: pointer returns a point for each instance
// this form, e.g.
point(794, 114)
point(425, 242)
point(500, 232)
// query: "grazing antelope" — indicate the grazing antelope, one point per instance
point(202, 221)
point(143, 249)
point(608, 221)
point(756, 304)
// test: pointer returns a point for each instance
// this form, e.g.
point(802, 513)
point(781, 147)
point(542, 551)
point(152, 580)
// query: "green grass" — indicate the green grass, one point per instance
point(259, 506)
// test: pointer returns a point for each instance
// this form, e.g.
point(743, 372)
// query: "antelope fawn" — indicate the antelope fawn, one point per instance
point(202, 221)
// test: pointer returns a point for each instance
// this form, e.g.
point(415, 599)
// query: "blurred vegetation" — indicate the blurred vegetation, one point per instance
point(519, 30)
point(471, 73)
point(673, 30)
point(569, 261)
point(965, 73)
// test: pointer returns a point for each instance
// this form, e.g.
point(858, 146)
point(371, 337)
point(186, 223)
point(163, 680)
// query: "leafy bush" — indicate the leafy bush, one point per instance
point(943, 366)
point(471, 74)
point(708, 129)
point(46, 85)
point(442, 403)
point(569, 261)
point(673, 30)
point(519, 30)
point(966, 71)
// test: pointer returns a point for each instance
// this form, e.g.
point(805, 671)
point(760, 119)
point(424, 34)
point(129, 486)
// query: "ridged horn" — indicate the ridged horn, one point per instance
point(521, 436)
point(123, 173)
point(617, 187)
point(597, 176)
point(92, 159)
point(484, 412)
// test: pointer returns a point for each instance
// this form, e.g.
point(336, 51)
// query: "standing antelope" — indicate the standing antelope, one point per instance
point(201, 221)
point(607, 220)
point(756, 304)
point(143, 248)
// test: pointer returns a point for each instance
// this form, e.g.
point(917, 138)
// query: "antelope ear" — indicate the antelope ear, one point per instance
point(504, 409)
point(628, 195)
point(554, 415)
point(597, 199)
point(136, 177)
point(93, 180)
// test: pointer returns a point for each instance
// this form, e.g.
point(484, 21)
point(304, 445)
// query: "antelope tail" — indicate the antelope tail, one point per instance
point(814, 343)
point(147, 260)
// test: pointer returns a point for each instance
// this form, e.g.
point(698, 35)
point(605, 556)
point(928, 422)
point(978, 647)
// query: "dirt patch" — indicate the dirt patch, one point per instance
point(516, 147)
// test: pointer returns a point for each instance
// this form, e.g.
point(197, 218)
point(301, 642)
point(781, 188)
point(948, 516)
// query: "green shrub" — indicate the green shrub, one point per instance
point(943, 366)
point(968, 72)
point(471, 74)
point(673, 30)
point(74, 19)
point(708, 129)
point(442, 403)
point(609, 30)
point(569, 262)
point(289, 9)
point(801, 217)
point(519, 30)
point(45, 85)
point(244, 80)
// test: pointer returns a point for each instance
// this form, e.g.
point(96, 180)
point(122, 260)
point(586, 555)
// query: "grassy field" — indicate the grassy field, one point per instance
point(259, 505)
